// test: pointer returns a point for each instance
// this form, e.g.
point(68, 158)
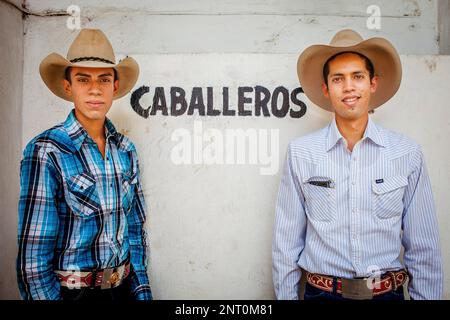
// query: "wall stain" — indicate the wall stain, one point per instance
point(431, 64)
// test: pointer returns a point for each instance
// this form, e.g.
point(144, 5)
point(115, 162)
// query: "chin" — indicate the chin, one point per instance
point(95, 115)
point(350, 115)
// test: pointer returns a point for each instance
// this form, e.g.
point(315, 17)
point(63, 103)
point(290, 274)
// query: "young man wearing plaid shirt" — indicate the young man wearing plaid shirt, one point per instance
point(81, 233)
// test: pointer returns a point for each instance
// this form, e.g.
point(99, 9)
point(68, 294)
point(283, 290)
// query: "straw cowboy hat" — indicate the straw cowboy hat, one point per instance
point(90, 49)
point(380, 52)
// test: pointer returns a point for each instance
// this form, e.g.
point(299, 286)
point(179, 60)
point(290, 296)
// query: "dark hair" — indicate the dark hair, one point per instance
point(68, 69)
point(369, 65)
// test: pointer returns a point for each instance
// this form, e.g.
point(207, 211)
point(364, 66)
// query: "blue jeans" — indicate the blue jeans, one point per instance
point(312, 293)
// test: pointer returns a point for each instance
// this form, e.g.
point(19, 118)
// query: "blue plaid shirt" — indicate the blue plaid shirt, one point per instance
point(78, 211)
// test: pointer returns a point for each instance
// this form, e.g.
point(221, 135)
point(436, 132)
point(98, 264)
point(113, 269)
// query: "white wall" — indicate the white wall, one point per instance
point(211, 226)
point(278, 26)
point(444, 26)
point(11, 75)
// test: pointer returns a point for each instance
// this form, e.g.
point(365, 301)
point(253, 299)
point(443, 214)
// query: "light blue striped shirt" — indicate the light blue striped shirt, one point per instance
point(378, 198)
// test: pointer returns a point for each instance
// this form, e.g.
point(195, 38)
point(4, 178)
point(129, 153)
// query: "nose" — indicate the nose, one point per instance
point(94, 88)
point(348, 85)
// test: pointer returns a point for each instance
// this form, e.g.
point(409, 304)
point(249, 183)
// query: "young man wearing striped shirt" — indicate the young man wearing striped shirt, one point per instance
point(353, 193)
point(81, 233)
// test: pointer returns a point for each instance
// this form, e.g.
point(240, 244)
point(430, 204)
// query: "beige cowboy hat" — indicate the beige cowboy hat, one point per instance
point(380, 52)
point(90, 49)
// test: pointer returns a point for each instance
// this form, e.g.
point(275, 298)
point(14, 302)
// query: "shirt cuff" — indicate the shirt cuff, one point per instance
point(140, 286)
point(143, 292)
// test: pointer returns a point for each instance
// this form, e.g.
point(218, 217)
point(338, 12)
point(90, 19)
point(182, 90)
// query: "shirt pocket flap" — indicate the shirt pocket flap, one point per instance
point(129, 180)
point(82, 197)
point(79, 183)
point(389, 184)
point(129, 177)
point(320, 197)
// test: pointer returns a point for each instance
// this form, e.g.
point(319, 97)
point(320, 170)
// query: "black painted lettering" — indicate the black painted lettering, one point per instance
point(177, 97)
point(197, 102)
point(280, 113)
point(159, 102)
point(135, 97)
point(262, 98)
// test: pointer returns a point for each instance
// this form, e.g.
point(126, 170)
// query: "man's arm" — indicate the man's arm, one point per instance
point(38, 226)
point(421, 234)
point(140, 286)
point(289, 233)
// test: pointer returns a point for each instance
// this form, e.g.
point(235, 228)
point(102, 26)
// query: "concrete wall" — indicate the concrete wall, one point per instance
point(444, 26)
point(214, 240)
point(236, 26)
point(11, 78)
point(190, 27)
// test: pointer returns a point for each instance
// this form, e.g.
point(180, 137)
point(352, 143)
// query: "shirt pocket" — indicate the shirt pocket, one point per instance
point(82, 196)
point(388, 196)
point(320, 200)
point(129, 181)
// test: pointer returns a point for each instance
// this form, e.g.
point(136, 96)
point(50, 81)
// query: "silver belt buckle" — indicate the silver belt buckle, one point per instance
point(356, 289)
point(106, 284)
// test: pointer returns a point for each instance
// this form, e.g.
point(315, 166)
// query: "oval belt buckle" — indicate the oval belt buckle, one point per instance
point(114, 278)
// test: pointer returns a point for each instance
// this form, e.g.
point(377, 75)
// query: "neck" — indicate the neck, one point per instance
point(94, 128)
point(352, 129)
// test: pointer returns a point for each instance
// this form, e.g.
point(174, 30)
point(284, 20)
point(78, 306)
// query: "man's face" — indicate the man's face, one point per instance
point(92, 90)
point(349, 86)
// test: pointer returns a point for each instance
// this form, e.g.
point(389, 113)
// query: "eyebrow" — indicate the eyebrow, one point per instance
point(341, 74)
point(82, 75)
point(89, 76)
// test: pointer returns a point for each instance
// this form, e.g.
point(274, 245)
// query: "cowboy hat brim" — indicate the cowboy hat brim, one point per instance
point(380, 52)
point(52, 70)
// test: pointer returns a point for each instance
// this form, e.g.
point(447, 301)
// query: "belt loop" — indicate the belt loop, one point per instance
point(335, 282)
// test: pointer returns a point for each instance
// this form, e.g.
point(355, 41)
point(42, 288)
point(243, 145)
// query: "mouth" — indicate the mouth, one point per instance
point(95, 103)
point(350, 101)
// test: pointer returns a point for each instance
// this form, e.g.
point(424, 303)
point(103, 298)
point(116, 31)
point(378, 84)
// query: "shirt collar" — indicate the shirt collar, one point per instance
point(78, 134)
point(372, 132)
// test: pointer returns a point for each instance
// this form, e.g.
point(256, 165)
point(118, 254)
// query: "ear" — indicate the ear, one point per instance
point(325, 90)
point(67, 87)
point(116, 87)
point(374, 84)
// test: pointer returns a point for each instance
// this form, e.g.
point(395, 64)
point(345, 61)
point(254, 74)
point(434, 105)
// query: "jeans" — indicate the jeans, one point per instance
point(312, 293)
point(119, 293)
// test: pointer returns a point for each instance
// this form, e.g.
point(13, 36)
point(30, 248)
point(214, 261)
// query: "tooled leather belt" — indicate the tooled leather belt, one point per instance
point(104, 279)
point(365, 288)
